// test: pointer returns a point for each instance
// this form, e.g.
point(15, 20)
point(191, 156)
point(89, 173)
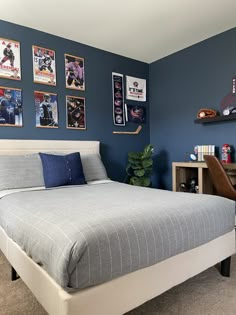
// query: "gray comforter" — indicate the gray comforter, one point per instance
point(86, 235)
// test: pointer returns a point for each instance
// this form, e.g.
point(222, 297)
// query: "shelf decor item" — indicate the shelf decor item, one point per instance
point(201, 150)
point(228, 103)
point(10, 65)
point(226, 151)
point(206, 113)
point(139, 168)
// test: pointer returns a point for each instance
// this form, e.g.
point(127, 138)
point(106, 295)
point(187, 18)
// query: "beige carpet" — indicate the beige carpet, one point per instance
point(207, 293)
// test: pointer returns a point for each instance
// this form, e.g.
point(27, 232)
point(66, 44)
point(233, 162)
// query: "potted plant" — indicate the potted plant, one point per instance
point(139, 168)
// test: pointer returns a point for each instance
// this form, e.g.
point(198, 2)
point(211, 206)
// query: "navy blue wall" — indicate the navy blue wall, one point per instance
point(98, 68)
point(180, 84)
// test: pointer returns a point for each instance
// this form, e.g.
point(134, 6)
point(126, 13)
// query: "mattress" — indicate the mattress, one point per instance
point(89, 234)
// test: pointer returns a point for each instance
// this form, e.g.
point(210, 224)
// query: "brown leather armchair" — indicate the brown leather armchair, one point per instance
point(220, 179)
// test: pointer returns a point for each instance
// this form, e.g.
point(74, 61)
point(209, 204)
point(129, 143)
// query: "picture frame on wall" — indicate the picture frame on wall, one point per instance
point(10, 60)
point(74, 72)
point(75, 113)
point(136, 113)
point(44, 65)
point(11, 111)
point(46, 109)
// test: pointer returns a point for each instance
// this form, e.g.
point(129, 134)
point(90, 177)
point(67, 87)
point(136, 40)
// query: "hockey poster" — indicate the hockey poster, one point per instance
point(135, 89)
point(10, 65)
point(44, 65)
point(11, 107)
point(75, 112)
point(46, 109)
point(136, 113)
point(74, 72)
point(118, 99)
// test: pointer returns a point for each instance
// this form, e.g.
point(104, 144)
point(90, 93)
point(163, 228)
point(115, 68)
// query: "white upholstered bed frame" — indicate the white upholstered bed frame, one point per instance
point(120, 295)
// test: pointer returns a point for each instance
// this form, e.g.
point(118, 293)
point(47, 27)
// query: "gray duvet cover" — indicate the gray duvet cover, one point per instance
point(87, 235)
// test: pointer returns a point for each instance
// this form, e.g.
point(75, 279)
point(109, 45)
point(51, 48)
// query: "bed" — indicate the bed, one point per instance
point(192, 242)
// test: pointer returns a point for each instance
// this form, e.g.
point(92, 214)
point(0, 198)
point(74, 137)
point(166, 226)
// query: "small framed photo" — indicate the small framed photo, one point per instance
point(75, 112)
point(11, 111)
point(136, 113)
point(10, 65)
point(46, 109)
point(74, 72)
point(44, 65)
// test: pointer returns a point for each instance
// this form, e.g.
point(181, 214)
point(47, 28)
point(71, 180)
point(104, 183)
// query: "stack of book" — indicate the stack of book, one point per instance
point(202, 150)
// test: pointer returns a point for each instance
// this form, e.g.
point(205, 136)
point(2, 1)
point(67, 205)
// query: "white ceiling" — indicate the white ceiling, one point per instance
point(143, 30)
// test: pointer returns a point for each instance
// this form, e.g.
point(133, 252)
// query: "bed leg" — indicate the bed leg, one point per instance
point(14, 275)
point(225, 267)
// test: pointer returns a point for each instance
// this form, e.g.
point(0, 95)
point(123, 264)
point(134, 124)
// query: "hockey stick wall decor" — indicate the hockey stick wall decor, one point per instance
point(136, 132)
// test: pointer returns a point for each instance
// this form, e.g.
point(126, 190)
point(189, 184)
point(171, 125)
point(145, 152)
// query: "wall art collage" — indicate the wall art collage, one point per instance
point(44, 72)
point(135, 91)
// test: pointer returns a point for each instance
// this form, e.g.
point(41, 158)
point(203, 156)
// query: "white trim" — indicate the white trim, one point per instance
point(14, 147)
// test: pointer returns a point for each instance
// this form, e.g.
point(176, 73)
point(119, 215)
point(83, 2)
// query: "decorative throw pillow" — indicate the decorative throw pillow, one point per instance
point(20, 171)
point(61, 170)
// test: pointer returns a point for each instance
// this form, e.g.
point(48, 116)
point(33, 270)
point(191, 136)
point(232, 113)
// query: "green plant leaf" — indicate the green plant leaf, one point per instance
point(139, 173)
point(139, 168)
point(134, 155)
point(146, 182)
point(147, 162)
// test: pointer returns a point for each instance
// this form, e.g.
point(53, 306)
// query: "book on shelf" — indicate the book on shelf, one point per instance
point(202, 150)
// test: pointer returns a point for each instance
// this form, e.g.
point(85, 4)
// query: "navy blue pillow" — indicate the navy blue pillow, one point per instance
point(61, 170)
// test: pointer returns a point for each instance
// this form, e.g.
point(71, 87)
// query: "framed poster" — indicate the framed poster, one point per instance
point(136, 113)
point(135, 89)
point(44, 65)
point(46, 109)
point(118, 99)
point(11, 107)
point(10, 66)
point(74, 72)
point(75, 112)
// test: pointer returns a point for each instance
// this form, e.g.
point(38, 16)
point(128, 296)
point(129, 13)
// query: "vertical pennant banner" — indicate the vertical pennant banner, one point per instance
point(118, 99)
point(135, 89)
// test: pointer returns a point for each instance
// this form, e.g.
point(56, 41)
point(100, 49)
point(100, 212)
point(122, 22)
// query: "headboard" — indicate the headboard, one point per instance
point(34, 146)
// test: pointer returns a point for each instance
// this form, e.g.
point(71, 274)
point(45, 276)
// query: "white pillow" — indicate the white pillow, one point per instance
point(20, 171)
point(93, 167)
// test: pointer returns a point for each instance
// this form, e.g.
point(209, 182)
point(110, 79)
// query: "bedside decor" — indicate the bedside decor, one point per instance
point(139, 168)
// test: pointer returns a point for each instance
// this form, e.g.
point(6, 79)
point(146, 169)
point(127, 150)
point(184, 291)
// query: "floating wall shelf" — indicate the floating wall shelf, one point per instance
point(215, 119)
